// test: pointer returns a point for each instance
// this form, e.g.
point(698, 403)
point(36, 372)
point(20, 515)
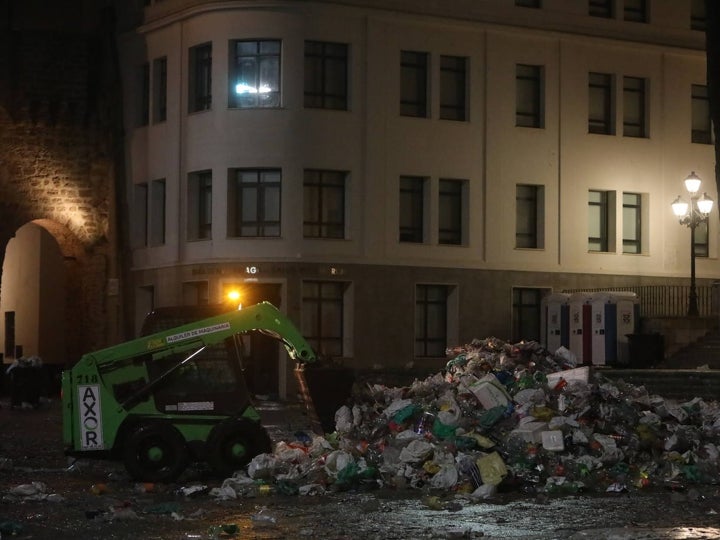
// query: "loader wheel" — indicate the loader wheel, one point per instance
point(234, 442)
point(155, 453)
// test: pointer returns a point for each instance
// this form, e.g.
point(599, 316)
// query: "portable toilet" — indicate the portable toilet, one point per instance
point(614, 315)
point(604, 329)
point(554, 321)
point(580, 312)
point(628, 322)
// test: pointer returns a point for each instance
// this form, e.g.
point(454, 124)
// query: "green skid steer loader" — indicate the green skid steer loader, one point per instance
point(175, 396)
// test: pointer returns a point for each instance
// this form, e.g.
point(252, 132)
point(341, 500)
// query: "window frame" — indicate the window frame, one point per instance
point(265, 181)
point(452, 192)
point(635, 100)
point(601, 85)
point(412, 203)
point(323, 186)
point(636, 209)
point(414, 82)
point(532, 198)
point(529, 96)
point(605, 217)
point(200, 78)
point(325, 334)
point(431, 344)
point(265, 59)
point(453, 88)
point(332, 59)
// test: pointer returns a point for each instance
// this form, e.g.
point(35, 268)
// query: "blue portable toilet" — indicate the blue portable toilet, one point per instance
point(614, 315)
point(555, 321)
point(580, 312)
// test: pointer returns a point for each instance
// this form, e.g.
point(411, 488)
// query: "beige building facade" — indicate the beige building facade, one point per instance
point(402, 177)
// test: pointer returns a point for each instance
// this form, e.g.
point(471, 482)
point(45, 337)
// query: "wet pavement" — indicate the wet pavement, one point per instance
point(89, 499)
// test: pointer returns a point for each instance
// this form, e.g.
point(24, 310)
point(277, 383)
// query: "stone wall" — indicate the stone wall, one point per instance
point(59, 148)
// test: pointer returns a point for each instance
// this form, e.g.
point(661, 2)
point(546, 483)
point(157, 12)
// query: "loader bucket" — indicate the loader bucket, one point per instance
point(324, 389)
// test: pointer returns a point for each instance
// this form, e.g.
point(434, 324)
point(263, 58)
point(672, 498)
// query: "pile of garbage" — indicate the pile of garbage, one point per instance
point(499, 417)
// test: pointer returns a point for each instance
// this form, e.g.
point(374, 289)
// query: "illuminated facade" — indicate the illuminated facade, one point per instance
point(405, 176)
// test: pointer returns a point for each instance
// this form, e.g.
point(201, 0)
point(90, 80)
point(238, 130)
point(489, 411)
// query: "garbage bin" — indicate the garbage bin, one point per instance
point(646, 350)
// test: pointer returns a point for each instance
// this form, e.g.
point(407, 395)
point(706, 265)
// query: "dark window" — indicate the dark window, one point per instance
point(529, 96)
point(601, 8)
point(412, 202)
point(413, 84)
point(10, 334)
point(322, 316)
point(632, 223)
point(526, 314)
point(450, 214)
point(598, 208)
point(701, 124)
point(200, 78)
point(324, 204)
point(634, 107)
point(254, 74)
point(529, 218)
point(529, 3)
point(430, 320)
point(160, 89)
point(254, 207)
point(157, 212)
point(200, 205)
point(140, 214)
point(145, 95)
point(453, 88)
point(326, 75)
point(635, 11)
point(698, 20)
point(600, 104)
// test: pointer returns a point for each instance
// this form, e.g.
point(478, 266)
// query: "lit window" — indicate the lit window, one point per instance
point(254, 74)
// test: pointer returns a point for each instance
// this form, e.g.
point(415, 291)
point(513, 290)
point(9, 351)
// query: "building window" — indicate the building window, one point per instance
point(254, 74)
point(701, 124)
point(636, 11)
point(254, 202)
point(140, 215)
point(453, 88)
point(412, 209)
point(632, 223)
point(450, 211)
point(529, 96)
point(200, 78)
point(700, 243)
point(698, 18)
point(431, 302)
point(528, 3)
point(200, 205)
point(526, 304)
point(601, 104)
point(324, 204)
point(529, 216)
point(600, 220)
point(413, 84)
point(634, 107)
point(326, 75)
point(160, 89)
point(145, 94)
point(601, 8)
point(322, 316)
point(157, 212)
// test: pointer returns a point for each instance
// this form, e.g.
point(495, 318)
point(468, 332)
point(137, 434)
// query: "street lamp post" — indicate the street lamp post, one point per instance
point(692, 215)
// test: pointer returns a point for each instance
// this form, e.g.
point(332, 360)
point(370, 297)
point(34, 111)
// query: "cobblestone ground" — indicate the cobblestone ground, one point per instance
point(88, 500)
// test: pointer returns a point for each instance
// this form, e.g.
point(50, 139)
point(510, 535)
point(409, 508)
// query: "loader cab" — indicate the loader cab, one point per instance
point(230, 365)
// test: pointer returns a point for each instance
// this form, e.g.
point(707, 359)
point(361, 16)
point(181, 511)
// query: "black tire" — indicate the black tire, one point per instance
point(234, 442)
point(155, 453)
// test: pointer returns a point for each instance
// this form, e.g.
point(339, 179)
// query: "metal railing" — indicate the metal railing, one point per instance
point(664, 300)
